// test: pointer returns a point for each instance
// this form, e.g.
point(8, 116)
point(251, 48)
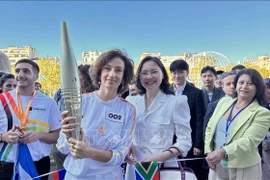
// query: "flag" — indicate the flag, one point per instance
point(59, 175)
point(147, 171)
point(24, 167)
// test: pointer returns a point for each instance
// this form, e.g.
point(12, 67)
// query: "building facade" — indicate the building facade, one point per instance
point(166, 60)
point(90, 57)
point(15, 53)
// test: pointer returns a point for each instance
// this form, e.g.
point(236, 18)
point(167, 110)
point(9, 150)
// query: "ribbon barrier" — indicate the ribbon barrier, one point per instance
point(60, 174)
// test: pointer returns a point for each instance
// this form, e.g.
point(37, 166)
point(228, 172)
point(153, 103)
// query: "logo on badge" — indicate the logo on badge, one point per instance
point(101, 131)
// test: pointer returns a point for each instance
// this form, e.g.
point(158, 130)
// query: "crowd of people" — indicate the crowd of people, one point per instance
point(130, 117)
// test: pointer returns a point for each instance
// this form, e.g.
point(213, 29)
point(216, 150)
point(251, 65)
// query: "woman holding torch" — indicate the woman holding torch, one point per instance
point(107, 124)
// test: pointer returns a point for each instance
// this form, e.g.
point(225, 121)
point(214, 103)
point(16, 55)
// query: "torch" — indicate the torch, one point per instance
point(70, 81)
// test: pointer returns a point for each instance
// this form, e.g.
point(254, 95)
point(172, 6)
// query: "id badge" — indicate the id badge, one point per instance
point(224, 163)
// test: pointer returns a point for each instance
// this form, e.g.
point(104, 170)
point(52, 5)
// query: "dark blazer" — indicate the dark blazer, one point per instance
point(196, 105)
point(209, 112)
point(217, 94)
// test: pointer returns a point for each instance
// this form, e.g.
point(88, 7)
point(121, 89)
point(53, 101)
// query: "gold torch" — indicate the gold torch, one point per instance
point(70, 81)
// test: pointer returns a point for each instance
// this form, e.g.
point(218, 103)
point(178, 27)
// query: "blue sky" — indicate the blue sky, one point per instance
point(235, 29)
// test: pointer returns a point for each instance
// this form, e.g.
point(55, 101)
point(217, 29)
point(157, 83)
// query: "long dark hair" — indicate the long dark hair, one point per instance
point(164, 86)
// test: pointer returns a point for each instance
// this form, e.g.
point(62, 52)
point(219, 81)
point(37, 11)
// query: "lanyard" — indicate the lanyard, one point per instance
point(24, 115)
point(230, 120)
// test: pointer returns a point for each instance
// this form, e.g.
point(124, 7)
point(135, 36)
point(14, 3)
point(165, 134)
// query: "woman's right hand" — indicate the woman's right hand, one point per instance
point(68, 124)
point(130, 156)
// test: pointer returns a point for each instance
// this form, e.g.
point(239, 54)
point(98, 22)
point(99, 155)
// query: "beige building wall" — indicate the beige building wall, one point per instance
point(90, 57)
point(15, 53)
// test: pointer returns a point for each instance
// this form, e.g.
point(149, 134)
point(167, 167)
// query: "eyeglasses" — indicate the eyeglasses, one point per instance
point(152, 73)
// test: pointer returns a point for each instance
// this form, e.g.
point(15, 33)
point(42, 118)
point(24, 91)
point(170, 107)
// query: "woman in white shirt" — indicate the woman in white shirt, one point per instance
point(160, 114)
point(108, 123)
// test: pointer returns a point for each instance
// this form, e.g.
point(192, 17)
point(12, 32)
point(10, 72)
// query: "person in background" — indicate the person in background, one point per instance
point(210, 93)
point(236, 128)
point(218, 80)
point(107, 125)
point(265, 146)
point(160, 114)
point(133, 90)
point(238, 68)
point(85, 79)
point(227, 82)
point(7, 82)
point(38, 86)
point(180, 70)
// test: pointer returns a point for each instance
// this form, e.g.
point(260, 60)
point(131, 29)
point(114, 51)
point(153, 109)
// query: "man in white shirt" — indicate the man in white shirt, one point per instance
point(35, 114)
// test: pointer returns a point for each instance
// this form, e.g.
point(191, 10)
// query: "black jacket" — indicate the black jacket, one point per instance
point(196, 105)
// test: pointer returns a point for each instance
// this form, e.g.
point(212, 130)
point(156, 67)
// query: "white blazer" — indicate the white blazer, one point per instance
point(154, 131)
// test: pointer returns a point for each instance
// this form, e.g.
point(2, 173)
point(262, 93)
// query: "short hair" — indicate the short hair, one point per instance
point(219, 72)
point(35, 66)
point(164, 86)
point(105, 58)
point(38, 84)
point(179, 65)
point(87, 85)
point(239, 66)
point(209, 68)
point(257, 80)
point(226, 74)
point(5, 77)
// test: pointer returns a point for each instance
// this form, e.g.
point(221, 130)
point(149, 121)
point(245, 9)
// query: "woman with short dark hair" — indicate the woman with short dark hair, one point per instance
point(108, 123)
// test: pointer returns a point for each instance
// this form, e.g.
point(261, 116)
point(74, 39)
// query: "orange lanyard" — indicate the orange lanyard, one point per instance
point(24, 115)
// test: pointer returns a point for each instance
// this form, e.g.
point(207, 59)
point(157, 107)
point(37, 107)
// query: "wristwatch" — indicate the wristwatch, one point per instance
point(1, 140)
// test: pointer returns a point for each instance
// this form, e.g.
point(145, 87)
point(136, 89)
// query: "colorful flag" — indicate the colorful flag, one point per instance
point(147, 171)
point(59, 175)
point(24, 167)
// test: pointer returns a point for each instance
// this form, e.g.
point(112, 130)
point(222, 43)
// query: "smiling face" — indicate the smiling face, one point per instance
point(245, 88)
point(151, 76)
point(25, 75)
point(179, 77)
point(112, 74)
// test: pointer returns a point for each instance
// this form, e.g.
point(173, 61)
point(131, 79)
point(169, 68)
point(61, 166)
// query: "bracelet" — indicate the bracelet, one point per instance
point(1, 140)
point(177, 150)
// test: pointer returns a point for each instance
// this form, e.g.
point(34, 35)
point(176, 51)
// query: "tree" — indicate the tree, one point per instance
point(49, 76)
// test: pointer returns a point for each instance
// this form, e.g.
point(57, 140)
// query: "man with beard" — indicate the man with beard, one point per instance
point(35, 114)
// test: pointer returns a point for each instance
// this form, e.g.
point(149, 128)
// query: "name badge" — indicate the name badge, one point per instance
point(114, 117)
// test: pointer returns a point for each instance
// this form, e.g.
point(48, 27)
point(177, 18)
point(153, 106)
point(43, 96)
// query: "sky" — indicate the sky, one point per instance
point(235, 29)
